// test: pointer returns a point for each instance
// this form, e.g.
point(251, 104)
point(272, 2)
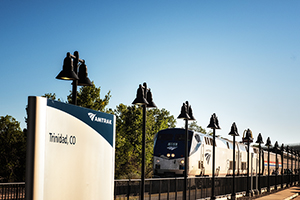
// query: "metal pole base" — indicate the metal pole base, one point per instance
point(256, 192)
point(249, 193)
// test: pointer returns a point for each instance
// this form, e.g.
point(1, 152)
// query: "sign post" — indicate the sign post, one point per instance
point(70, 152)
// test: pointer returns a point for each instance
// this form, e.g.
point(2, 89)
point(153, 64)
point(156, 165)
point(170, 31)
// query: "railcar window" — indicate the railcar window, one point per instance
point(227, 145)
point(231, 165)
point(211, 142)
point(244, 167)
point(165, 137)
point(205, 138)
point(197, 137)
point(208, 141)
point(242, 147)
point(181, 137)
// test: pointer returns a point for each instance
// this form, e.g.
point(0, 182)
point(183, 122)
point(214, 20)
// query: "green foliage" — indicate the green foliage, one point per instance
point(193, 126)
point(129, 138)
point(12, 150)
point(51, 96)
point(89, 97)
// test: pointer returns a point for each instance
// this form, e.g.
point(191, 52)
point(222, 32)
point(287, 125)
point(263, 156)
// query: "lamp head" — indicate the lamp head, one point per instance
point(287, 148)
point(247, 136)
point(282, 148)
point(268, 143)
point(259, 139)
point(233, 131)
point(189, 111)
point(183, 114)
point(151, 104)
point(217, 121)
point(276, 145)
point(67, 72)
point(83, 79)
point(140, 100)
point(192, 118)
point(213, 123)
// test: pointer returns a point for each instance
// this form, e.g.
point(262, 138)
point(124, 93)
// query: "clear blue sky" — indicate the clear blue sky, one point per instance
point(239, 59)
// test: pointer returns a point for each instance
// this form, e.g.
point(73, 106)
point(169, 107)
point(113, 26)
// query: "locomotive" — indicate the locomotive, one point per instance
point(169, 147)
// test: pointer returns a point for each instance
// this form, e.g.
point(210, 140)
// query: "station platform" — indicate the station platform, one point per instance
point(285, 194)
point(282, 194)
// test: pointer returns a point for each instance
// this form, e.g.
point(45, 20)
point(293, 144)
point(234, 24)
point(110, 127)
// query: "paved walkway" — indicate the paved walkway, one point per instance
point(286, 194)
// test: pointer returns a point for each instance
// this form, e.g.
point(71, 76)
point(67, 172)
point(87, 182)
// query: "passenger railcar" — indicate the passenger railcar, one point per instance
point(169, 145)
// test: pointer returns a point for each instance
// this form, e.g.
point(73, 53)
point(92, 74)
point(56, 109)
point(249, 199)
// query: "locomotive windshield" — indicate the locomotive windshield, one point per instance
point(171, 142)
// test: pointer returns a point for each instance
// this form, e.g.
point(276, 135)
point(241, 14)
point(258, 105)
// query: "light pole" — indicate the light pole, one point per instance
point(248, 138)
point(276, 164)
point(282, 171)
point(143, 98)
point(233, 132)
point(287, 148)
point(213, 124)
point(298, 170)
point(259, 141)
point(186, 114)
point(69, 72)
point(298, 154)
point(292, 163)
point(268, 144)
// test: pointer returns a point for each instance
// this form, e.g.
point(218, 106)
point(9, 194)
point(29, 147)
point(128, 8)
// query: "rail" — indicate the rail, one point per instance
point(172, 188)
point(197, 187)
point(14, 191)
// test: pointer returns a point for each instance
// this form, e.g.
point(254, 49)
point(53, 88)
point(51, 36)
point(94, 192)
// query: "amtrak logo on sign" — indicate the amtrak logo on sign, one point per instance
point(94, 117)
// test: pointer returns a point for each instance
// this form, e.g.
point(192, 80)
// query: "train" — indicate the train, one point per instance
point(169, 156)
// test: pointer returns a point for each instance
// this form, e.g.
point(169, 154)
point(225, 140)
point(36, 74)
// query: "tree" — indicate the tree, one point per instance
point(193, 126)
point(129, 138)
point(51, 96)
point(89, 97)
point(12, 150)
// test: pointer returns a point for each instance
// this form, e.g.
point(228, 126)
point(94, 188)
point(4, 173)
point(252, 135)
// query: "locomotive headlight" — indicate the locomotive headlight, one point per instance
point(157, 160)
point(168, 155)
point(182, 161)
point(173, 155)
